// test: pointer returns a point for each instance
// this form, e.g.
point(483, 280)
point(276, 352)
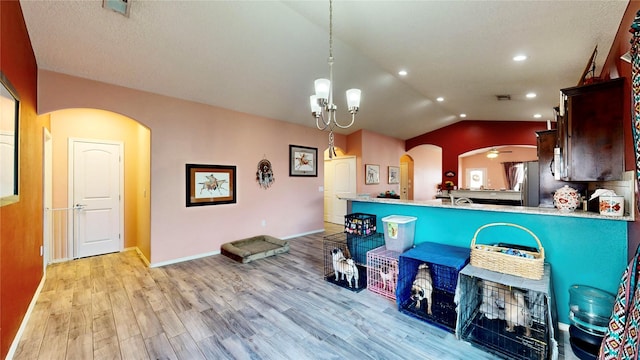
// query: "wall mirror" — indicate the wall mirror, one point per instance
point(9, 144)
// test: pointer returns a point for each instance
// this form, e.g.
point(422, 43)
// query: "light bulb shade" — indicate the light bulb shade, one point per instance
point(353, 98)
point(322, 88)
point(492, 154)
point(315, 107)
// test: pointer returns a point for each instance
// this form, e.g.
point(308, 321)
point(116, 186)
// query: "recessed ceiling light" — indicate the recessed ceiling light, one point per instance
point(402, 72)
point(537, 116)
point(531, 95)
point(440, 99)
point(520, 58)
point(463, 115)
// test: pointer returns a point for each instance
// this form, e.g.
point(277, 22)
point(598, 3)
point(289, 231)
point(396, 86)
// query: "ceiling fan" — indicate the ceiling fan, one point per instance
point(493, 153)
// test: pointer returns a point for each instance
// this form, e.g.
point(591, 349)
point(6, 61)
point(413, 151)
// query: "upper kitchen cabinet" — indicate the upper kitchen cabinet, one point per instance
point(590, 133)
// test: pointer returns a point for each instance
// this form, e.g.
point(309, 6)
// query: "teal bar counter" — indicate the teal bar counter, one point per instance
point(581, 247)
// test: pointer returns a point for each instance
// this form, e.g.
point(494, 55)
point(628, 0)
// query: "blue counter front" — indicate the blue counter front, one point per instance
point(589, 250)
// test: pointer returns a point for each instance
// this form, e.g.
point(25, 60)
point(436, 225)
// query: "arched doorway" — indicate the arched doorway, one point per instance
point(406, 177)
point(99, 126)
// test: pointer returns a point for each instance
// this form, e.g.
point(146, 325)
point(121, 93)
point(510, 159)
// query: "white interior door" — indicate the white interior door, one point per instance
point(404, 181)
point(96, 178)
point(339, 180)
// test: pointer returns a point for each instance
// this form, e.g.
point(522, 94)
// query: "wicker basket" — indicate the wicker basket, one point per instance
point(492, 258)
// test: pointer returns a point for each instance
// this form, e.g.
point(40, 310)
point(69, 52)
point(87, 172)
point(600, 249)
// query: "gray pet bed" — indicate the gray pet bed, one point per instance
point(254, 248)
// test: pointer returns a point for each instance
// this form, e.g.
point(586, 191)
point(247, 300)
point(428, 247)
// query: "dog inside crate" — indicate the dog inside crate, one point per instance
point(419, 297)
point(510, 320)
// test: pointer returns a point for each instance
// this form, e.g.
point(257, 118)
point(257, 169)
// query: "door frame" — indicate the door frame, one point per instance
point(72, 243)
point(47, 196)
point(354, 183)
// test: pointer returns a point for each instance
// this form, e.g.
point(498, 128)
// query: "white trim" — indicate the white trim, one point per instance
point(563, 326)
point(303, 234)
point(198, 256)
point(142, 257)
point(25, 319)
point(187, 258)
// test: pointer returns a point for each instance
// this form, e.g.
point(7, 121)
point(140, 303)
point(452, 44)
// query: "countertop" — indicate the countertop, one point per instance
point(443, 203)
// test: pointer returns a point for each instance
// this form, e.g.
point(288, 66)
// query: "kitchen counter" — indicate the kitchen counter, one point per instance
point(445, 203)
point(500, 195)
point(581, 247)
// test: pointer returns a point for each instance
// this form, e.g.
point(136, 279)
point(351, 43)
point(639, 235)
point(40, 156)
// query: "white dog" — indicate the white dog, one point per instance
point(347, 267)
point(389, 275)
point(422, 287)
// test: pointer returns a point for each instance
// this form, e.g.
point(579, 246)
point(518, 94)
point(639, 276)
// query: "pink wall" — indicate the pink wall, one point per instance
point(186, 132)
point(375, 149)
point(427, 170)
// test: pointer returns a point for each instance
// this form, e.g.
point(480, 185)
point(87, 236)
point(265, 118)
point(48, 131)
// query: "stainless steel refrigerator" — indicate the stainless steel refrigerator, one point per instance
point(531, 184)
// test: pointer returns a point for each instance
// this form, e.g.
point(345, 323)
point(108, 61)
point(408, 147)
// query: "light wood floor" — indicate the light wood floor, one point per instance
point(114, 307)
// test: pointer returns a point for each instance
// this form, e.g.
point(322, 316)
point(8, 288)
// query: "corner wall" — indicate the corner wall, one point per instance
point(21, 266)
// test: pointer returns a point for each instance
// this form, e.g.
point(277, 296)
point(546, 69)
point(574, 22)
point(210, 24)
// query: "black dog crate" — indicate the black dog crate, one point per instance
point(360, 224)
point(444, 261)
point(354, 248)
point(507, 315)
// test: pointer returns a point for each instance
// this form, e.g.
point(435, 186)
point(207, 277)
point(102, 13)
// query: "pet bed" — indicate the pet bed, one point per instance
point(254, 248)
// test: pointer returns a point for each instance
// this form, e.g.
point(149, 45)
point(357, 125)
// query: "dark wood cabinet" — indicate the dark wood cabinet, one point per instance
point(547, 141)
point(590, 133)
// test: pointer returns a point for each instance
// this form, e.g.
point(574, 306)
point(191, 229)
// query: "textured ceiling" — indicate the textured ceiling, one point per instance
point(261, 57)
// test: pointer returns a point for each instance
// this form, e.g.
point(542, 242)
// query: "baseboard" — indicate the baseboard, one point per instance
point(141, 255)
point(25, 319)
point(198, 256)
point(187, 258)
point(303, 234)
point(563, 326)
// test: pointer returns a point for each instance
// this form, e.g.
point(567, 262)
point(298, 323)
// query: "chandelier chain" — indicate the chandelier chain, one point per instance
point(331, 30)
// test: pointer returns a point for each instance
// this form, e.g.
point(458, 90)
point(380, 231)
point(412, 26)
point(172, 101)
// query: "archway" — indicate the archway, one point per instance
point(109, 126)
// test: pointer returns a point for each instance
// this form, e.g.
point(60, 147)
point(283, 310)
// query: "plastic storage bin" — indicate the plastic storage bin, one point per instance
point(399, 232)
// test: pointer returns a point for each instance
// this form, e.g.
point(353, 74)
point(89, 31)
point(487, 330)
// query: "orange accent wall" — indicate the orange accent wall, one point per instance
point(470, 135)
point(21, 267)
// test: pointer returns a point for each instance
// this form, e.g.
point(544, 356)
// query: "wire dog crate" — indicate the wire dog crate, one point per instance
point(345, 258)
point(382, 271)
point(360, 224)
point(414, 298)
point(507, 315)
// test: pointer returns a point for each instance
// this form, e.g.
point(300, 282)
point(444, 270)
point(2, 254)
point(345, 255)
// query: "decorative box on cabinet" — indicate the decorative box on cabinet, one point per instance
point(591, 132)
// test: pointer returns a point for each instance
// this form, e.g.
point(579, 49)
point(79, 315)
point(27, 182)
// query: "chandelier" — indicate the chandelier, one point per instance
point(322, 107)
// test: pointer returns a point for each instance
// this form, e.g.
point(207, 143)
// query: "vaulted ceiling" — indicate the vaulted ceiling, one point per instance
point(261, 57)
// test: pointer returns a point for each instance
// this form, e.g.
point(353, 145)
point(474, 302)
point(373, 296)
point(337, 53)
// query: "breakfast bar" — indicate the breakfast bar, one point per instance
point(581, 247)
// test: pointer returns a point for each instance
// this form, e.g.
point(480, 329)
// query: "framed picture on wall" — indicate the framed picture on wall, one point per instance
point(372, 174)
point(210, 184)
point(303, 161)
point(394, 175)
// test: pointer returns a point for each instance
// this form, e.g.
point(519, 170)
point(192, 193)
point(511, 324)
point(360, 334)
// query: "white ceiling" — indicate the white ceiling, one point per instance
point(261, 57)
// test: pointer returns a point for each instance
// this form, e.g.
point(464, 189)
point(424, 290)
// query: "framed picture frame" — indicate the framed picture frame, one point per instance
point(210, 184)
point(9, 142)
point(371, 174)
point(394, 175)
point(303, 161)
